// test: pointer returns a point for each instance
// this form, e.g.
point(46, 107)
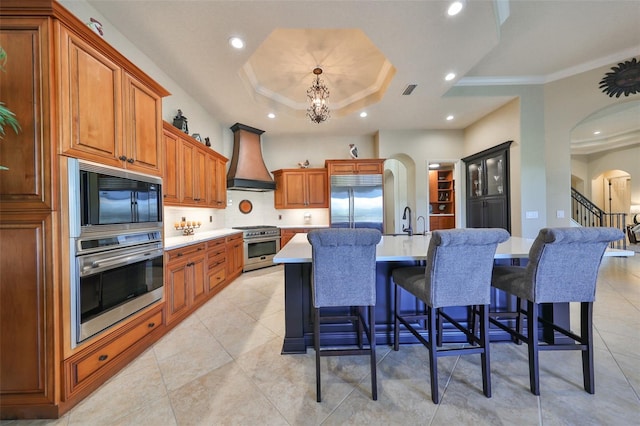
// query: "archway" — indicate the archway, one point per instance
point(399, 190)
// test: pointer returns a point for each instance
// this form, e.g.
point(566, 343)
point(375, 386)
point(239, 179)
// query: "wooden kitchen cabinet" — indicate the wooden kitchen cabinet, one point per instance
point(441, 200)
point(216, 264)
point(355, 167)
point(195, 174)
point(301, 188)
point(110, 116)
point(184, 280)
point(235, 255)
point(73, 94)
point(287, 234)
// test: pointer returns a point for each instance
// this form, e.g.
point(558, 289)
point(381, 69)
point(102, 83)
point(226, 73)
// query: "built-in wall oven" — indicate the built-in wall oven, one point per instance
point(115, 224)
point(261, 243)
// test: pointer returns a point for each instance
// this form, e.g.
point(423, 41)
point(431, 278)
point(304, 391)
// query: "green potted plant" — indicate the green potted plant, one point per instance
point(6, 116)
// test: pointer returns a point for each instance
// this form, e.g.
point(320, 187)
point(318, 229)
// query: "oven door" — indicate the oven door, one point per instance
point(115, 284)
point(259, 252)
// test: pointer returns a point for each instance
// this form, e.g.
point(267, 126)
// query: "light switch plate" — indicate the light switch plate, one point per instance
point(531, 214)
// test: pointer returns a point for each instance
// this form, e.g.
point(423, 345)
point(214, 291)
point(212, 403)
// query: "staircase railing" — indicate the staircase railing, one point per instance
point(584, 212)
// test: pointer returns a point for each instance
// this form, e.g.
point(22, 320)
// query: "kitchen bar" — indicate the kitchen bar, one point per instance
point(392, 252)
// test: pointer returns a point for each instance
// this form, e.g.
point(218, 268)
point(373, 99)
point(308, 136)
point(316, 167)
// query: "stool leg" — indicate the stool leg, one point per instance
point(433, 355)
point(484, 356)
point(532, 332)
point(316, 345)
point(438, 327)
point(396, 323)
point(586, 332)
point(372, 344)
point(359, 319)
point(519, 326)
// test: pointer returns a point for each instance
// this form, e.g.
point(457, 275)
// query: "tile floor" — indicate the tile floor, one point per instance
point(223, 366)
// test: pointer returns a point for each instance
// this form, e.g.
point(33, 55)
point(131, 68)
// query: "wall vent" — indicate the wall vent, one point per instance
point(407, 90)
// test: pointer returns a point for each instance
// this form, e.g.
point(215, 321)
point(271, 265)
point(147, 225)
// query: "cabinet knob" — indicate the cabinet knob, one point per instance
point(151, 324)
point(123, 158)
point(103, 357)
point(130, 160)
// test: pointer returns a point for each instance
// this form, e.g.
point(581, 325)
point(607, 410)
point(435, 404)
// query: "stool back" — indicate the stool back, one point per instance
point(459, 265)
point(564, 262)
point(344, 266)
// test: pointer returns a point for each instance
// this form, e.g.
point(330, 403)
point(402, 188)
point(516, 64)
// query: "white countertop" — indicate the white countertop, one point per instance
point(301, 226)
point(198, 237)
point(405, 248)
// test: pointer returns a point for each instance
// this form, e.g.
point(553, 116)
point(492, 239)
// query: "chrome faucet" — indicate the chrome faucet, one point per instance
point(408, 229)
point(424, 225)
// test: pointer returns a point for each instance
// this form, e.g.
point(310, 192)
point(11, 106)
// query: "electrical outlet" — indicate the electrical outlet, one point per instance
point(560, 214)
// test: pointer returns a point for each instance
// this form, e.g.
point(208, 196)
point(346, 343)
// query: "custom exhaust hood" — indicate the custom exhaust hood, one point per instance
point(247, 171)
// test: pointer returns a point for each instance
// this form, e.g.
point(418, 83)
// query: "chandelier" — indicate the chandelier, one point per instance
point(318, 94)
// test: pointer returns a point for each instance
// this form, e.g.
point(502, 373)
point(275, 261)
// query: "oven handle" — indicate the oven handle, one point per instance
point(112, 262)
point(261, 239)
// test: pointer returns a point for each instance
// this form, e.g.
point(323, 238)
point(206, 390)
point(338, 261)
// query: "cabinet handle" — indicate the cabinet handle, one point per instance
point(130, 160)
point(103, 357)
point(151, 324)
point(123, 158)
point(179, 254)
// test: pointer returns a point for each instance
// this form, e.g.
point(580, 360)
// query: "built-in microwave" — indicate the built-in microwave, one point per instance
point(109, 199)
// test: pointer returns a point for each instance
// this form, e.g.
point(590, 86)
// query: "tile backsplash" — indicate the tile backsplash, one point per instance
point(262, 213)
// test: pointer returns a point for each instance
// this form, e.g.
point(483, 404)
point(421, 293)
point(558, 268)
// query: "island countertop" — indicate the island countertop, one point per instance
point(404, 248)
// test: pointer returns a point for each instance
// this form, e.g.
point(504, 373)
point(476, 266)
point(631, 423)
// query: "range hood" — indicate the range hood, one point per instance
point(247, 171)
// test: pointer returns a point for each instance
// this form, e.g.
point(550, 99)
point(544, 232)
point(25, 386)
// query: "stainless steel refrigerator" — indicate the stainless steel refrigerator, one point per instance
point(357, 201)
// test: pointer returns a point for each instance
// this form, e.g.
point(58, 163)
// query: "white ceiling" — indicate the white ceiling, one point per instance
point(539, 41)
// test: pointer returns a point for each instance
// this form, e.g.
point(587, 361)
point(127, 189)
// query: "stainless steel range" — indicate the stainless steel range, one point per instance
point(261, 243)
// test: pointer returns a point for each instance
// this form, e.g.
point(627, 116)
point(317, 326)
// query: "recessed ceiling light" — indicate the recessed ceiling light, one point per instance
point(450, 76)
point(363, 114)
point(236, 42)
point(271, 115)
point(455, 8)
point(449, 117)
point(434, 165)
point(597, 132)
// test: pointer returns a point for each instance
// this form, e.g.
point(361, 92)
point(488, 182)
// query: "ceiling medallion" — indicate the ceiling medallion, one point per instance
point(318, 94)
point(625, 78)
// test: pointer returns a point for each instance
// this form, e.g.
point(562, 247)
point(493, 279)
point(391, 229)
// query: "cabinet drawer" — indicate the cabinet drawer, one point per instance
point(214, 244)
point(184, 251)
point(215, 260)
point(234, 238)
point(92, 362)
point(217, 277)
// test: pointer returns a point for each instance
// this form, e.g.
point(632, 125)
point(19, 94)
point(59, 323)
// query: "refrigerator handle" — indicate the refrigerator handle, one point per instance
point(351, 208)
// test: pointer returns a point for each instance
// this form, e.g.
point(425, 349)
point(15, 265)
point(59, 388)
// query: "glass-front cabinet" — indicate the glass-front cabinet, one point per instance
point(488, 188)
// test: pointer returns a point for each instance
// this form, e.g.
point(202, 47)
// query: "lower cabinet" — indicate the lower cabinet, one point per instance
point(441, 222)
point(235, 255)
point(216, 264)
point(184, 280)
point(288, 233)
point(84, 370)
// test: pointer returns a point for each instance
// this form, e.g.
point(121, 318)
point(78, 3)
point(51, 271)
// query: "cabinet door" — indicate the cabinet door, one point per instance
point(24, 89)
point(495, 213)
point(27, 352)
point(177, 289)
point(200, 177)
point(475, 179)
point(475, 213)
point(494, 166)
point(317, 189)
point(143, 124)
point(188, 173)
point(198, 271)
point(221, 184)
point(90, 101)
point(294, 190)
point(172, 167)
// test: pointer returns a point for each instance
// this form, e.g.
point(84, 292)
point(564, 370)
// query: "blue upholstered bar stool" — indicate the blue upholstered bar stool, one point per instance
point(457, 273)
point(344, 275)
point(563, 267)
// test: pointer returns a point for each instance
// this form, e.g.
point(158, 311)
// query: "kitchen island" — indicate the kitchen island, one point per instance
point(392, 252)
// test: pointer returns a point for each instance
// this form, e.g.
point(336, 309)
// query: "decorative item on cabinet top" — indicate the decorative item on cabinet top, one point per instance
point(180, 121)
point(304, 165)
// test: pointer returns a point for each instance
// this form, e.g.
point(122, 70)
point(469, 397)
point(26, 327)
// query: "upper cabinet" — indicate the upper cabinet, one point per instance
point(193, 174)
point(108, 115)
point(301, 188)
point(354, 167)
point(488, 204)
